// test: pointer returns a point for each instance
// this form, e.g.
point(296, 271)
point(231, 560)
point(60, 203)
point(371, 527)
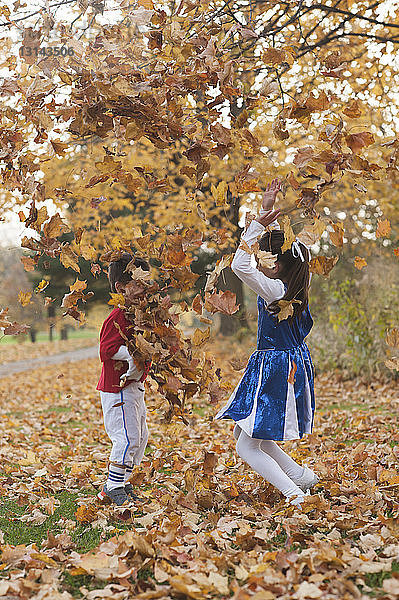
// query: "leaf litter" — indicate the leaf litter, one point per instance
point(208, 526)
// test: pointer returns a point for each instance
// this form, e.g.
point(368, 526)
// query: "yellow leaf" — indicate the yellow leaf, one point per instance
point(219, 193)
point(360, 262)
point(44, 558)
point(383, 228)
point(41, 286)
point(286, 309)
point(200, 337)
point(24, 298)
point(69, 259)
point(289, 235)
point(117, 300)
point(337, 236)
point(78, 286)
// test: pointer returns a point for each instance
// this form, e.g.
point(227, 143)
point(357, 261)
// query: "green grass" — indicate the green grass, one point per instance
point(375, 580)
point(43, 336)
point(73, 583)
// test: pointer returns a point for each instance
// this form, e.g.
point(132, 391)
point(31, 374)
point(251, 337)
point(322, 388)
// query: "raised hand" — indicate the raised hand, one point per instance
point(268, 217)
point(269, 196)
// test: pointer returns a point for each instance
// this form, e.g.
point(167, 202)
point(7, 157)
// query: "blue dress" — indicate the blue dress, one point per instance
point(264, 403)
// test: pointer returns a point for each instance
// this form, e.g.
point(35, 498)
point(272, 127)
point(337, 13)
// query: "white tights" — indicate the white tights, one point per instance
point(270, 462)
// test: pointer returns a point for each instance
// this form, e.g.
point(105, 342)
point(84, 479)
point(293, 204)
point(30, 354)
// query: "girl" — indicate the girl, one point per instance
point(275, 398)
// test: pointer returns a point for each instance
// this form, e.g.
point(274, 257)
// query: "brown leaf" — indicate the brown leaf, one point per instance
point(322, 265)
point(55, 227)
point(383, 228)
point(392, 338)
point(357, 141)
point(337, 236)
point(224, 302)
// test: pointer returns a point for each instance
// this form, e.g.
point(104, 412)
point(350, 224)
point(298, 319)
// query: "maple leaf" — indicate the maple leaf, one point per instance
point(289, 235)
point(311, 234)
point(360, 263)
point(68, 258)
point(267, 260)
point(337, 236)
point(200, 337)
point(54, 227)
point(322, 265)
point(383, 228)
point(24, 298)
point(224, 302)
point(286, 309)
point(357, 141)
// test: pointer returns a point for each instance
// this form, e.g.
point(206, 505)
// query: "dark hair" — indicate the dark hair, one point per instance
point(117, 269)
point(293, 270)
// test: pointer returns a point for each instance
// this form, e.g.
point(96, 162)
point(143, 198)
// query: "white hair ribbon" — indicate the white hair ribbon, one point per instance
point(296, 250)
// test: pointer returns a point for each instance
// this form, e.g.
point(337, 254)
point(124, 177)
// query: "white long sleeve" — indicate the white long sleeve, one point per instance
point(122, 354)
point(268, 289)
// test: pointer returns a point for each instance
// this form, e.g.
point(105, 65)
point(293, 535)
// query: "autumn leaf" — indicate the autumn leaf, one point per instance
point(41, 286)
point(54, 227)
point(354, 110)
point(311, 234)
point(392, 338)
point(200, 337)
point(337, 235)
point(219, 193)
point(383, 228)
point(289, 235)
point(392, 363)
point(360, 263)
point(322, 265)
point(224, 302)
point(357, 141)
point(116, 299)
point(24, 298)
point(286, 309)
point(69, 259)
point(267, 260)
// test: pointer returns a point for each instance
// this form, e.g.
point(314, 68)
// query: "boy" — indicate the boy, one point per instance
point(122, 402)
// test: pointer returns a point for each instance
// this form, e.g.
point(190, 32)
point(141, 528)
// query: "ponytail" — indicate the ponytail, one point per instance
point(294, 270)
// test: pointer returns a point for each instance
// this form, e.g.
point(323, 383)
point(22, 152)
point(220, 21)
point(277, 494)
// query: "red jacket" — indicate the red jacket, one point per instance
point(110, 342)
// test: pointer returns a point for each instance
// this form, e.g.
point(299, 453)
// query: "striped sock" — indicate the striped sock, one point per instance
point(128, 472)
point(116, 476)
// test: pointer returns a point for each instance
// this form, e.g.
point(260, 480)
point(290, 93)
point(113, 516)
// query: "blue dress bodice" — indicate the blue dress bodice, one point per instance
point(282, 335)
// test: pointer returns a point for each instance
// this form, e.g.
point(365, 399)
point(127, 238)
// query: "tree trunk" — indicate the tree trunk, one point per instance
point(229, 325)
point(228, 280)
point(64, 333)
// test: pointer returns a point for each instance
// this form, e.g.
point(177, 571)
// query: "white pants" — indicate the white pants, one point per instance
point(269, 461)
point(125, 423)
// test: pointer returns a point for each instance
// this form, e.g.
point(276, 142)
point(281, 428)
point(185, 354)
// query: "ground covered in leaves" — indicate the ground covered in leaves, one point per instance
point(209, 527)
point(27, 350)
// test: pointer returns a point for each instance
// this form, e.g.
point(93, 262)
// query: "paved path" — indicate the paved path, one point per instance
point(42, 361)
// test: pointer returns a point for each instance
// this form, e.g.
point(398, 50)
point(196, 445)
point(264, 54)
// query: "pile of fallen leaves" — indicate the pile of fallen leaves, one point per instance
point(208, 526)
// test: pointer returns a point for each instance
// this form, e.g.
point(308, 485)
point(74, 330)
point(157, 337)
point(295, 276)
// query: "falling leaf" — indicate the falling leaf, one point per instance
point(224, 302)
point(267, 260)
point(54, 227)
point(219, 193)
point(337, 236)
point(354, 110)
point(360, 262)
point(286, 309)
point(289, 235)
point(357, 141)
point(69, 259)
point(200, 337)
point(116, 299)
point(41, 286)
point(383, 228)
point(322, 265)
point(24, 298)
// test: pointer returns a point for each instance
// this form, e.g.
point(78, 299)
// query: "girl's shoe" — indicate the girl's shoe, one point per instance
point(296, 501)
point(117, 495)
point(307, 480)
point(129, 489)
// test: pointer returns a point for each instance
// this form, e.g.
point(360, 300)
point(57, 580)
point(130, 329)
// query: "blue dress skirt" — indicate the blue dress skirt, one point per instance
point(265, 404)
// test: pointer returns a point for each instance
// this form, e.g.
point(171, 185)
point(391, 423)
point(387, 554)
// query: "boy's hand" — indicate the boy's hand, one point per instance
point(269, 196)
point(268, 217)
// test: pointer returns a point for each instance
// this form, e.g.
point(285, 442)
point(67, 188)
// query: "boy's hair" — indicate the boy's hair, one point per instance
point(117, 269)
point(293, 269)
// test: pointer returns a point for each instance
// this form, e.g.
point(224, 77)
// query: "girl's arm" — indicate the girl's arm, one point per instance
point(268, 289)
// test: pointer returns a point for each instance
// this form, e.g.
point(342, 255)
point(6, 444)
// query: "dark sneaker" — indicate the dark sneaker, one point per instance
point(117, 495)
point(129, 489)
